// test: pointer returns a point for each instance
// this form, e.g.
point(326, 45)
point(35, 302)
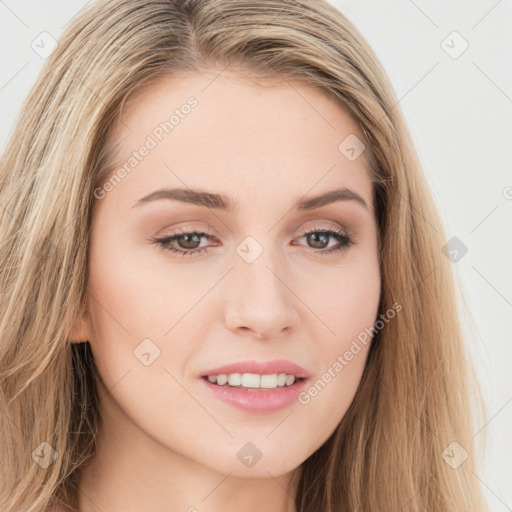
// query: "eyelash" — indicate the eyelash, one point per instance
point(345, 240)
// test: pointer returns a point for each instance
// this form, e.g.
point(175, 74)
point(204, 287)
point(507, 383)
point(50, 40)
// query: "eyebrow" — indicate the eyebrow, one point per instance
point(222, 202)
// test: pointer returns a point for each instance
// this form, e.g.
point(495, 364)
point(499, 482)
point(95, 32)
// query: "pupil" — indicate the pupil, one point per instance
point(187, 240)
point(316, 236)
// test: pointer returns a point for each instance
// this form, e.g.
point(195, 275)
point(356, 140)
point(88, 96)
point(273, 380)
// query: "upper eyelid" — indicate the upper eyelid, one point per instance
point(212, 233)
point(308, 225)
point(209, 234)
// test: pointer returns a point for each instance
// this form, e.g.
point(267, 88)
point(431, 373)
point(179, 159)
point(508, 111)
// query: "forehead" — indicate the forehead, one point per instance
point(226, 133)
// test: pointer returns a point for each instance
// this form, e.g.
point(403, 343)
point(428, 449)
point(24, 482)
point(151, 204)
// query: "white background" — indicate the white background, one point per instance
point(459, 111)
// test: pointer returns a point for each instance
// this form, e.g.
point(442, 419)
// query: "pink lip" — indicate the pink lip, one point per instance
point(256, 401)
point(264, 400)
point(263, 368)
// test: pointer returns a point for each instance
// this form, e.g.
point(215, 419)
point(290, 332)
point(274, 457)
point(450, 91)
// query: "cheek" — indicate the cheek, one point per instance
point(122, 311)
point(342, 358)
point(327, 398)
point(345, 299)
point(143, 323)
point(133, 297)
point(137, 363)
point(347, 305)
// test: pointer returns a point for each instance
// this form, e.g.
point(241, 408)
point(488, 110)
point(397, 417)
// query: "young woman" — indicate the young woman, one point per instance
point(222, 278)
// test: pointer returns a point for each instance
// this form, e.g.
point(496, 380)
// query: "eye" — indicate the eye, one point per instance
point(319, 236)
point(190, 240)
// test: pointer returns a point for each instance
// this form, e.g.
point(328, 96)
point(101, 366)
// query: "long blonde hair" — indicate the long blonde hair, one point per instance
point(416, 394)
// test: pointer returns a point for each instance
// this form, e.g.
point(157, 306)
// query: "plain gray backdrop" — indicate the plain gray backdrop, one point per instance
point(451, 66)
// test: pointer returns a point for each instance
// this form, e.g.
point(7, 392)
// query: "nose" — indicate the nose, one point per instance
point(261, 302)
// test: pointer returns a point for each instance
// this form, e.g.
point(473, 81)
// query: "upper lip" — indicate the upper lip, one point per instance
point(262, 368)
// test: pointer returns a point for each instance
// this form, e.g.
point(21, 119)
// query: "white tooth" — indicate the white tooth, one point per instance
point(269, 381)
point(290, 379)
point(250, 380)
point(253, 381)
point(235, 379)
point(222, 379)
point(281, 379)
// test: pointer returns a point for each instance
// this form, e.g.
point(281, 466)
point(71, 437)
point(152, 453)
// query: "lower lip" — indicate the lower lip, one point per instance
point(257, 401)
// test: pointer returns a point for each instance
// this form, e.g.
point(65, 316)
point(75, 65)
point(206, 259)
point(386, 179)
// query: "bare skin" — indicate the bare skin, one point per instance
point(166, 443)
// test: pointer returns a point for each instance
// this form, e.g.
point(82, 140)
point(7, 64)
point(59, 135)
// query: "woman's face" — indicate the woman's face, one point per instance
point(257, 287)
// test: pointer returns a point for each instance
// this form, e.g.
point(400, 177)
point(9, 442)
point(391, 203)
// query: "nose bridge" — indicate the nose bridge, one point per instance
point(261, 299)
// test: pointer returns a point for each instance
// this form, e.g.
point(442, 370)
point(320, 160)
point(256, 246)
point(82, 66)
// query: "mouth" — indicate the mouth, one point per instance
point(254, 382)
point(243, 391)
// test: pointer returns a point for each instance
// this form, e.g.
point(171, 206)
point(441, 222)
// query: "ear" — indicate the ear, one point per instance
point(82, 330)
